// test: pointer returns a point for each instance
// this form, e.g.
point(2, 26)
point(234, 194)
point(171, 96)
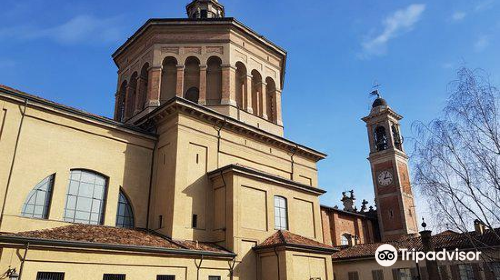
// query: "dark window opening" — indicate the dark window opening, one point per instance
point(160, 221)
point(204, 14)
point(397, 137)
point(165, 277)
point(113, 277)
point(380, 139)
point(192, 94)
point(391, 213)
point(195, 221)
point(50, 276)
point(213, 277)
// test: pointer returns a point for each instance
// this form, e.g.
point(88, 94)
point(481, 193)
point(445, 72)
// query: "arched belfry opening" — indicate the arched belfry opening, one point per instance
point(192, 78)
point(143, 87)
point(120, 108)
point(380, 138)
point(168, 79)
point(214, 81)
point(241, 85)
point(256, 91)
point(131, 96)
point(271, 99)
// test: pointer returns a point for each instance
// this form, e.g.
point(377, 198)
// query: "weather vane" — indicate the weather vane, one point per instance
point(375, 88)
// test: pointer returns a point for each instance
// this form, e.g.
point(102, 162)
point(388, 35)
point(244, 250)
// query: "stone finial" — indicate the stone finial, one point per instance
point(348, 201)
point(364, 203)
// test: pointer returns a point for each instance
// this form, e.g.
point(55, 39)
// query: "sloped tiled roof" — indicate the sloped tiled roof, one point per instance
point(286, 238)
point(446, 240)
point(104, 235)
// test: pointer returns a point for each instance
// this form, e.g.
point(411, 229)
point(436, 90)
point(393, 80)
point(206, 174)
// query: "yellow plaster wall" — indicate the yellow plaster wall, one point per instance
point(54, 143)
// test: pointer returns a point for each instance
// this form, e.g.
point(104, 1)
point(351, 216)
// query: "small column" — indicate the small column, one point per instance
point(228, 85)
point(277, 107)
point(249, 95)
point(263, 101)
point(154, 86)
point(203, 85)
point(179, 90)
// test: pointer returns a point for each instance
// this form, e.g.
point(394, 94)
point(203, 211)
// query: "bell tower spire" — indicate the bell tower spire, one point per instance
point(203, 9)
point(389, 165)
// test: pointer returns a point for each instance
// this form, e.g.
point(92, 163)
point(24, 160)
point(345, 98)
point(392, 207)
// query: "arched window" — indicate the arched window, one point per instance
point(396, 136)
point(256, 90)
point(120, 108)
point(132, 91)
point(37, 203)
point(241, 85)
point(168, 79)
point(280, 213)
point(191, 77)
point(124, 214)
point(214, 80)
point(380, 138)
point(270, 102)
point(344, 239)
point(143, 86)
point(86, 198)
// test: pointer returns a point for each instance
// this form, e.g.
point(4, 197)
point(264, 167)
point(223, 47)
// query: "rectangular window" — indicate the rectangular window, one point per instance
point(165, 277)
point(160, 221)
point(378, 274)
point(466, 272)
point(194, 221)
point(50, 276)
point(353, 275)
point(113, 277)
point(404, 274)
point(280, 213)
point(213, 277)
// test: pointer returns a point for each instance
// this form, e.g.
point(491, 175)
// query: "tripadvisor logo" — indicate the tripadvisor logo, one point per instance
point(387, 255)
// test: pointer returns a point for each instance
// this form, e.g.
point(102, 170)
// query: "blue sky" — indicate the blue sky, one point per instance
point(61, 50)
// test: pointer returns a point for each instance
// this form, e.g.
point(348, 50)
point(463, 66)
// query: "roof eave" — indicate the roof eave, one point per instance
point(78, 244)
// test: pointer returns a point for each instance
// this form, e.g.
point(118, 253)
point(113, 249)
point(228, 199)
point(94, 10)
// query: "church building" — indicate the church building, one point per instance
point(192, 178)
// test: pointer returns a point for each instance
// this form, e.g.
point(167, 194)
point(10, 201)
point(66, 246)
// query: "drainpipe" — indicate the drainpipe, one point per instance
point(23, 114)
point(231, 268)
point(198, 266)
point(151, 183)
point(22, 261)
point(278, 262)
point(294, 151)
point(219, 128)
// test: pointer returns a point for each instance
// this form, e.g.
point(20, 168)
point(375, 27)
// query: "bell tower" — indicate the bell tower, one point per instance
point(389, 165)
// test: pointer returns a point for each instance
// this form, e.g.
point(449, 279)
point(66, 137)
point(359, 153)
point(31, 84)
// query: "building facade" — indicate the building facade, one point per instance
point(192, 179)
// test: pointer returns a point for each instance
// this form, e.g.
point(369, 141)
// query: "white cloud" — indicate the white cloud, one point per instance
point(484, 5)
point(458, 16)
point(80, 29)
point(400, 22)
point(481, 43)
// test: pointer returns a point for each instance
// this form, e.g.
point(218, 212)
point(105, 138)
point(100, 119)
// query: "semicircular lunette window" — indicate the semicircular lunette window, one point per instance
point(37, 203)
point(124, 215)
point(86, 198)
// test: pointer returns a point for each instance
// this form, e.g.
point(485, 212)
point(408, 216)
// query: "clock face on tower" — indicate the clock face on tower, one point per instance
point(385, 178)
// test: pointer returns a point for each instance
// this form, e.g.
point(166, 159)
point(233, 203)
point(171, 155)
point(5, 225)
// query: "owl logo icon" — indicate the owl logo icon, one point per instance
point(386, 255)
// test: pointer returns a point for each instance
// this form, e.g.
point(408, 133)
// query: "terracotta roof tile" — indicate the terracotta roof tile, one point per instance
point(286, 238)
point(117, 236)
point(447, 240)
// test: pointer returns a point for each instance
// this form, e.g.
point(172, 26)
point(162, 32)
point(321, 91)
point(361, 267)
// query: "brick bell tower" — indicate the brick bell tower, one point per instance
point(389, 165)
